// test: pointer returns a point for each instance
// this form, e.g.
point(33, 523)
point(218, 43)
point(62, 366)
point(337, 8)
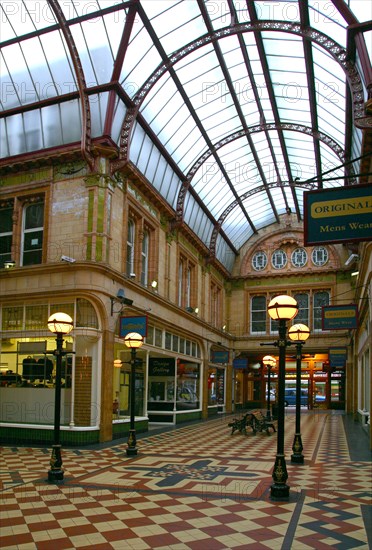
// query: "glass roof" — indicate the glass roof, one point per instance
point(230, 109)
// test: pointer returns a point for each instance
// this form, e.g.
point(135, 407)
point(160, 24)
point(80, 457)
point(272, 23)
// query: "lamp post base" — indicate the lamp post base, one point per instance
point(55, 474)
point(132, 443)
point(297, 448)
point(279, 489)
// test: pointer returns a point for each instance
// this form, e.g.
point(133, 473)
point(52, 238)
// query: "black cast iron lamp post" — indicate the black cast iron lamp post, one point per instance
point(282, 309)
point(298, 334)
point(133, 340)
point(269, 362)
point(60, 324)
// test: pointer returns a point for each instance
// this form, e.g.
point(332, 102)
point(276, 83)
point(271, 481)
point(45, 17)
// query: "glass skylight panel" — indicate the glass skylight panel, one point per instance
point(175, 22)
point(219, 13)
point(233, 226)
point(25, 90)
point(224, 253)
point(24, 17)
point(140, 61)
point(327, 19)
point(71, 121)
point(52, 125)
point(281, 10)
point(119, 115)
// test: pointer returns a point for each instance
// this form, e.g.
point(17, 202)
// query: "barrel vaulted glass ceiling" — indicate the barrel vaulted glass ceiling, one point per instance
point(231, 109)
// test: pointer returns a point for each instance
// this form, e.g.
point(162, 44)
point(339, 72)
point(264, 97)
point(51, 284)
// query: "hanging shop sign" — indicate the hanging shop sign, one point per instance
point(337, 357)
point(240, 363)
point(219, 356)
point(133, 324)
point(339, 317)
point(338, 215)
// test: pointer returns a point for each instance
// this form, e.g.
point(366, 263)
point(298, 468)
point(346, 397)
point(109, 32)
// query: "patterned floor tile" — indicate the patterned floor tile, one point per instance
point(195, 487)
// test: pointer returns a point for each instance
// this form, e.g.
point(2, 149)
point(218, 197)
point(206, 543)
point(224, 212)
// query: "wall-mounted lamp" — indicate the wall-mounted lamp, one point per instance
point(351, 259)
point(9, 264)
point(117, 364)
point(154, 285)
point(192, 310)
point(354, 273)
point(120, 299)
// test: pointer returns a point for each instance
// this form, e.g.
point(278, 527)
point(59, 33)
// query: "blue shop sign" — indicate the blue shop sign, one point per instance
point(219, 356)
point(133, 324)
point(240, 363)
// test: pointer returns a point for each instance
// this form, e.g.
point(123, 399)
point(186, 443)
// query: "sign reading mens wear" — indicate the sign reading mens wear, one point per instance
point(337, 215)
point(340, 317)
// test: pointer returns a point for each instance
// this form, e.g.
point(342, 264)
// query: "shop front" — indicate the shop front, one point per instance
point(28, 374)
point(168, 380)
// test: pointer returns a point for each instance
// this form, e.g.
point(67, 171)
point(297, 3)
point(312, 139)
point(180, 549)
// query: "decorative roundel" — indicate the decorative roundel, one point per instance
point(259, 261)
point(279, 259)
point(299, 257)
point(319, 255)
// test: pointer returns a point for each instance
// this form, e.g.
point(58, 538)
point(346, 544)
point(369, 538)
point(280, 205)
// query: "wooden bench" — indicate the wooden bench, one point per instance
point(261, 423)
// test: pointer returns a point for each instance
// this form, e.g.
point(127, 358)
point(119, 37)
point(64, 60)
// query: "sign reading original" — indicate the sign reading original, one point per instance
point(341, 214)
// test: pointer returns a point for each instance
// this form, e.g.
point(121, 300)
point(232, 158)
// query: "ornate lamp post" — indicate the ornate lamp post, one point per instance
point(60, 324)
point(298, 334)
point(133, 340)
point(269, 362)
point(281, 308)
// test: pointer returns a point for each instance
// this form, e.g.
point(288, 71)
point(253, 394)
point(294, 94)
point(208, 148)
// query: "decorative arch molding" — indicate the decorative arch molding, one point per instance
point(86, 130)
point(291, 237)
point(338, 53)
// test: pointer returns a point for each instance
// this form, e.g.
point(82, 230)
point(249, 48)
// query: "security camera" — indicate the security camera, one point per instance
point(68, 259)
point(351, 259)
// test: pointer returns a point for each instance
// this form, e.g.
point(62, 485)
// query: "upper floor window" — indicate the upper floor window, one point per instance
point(279, 259)
point(259, 261)
point(303, 308)
point(130, 248)
point(32, 234)
point(319, 256)
point(299, 257)
point(6, 233)
point(320, 299)
point(258, 314)
point(216, 304)
point(145, 258)
point(187, 283)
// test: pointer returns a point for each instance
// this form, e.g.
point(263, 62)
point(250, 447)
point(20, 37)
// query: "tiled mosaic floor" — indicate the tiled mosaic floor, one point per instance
point(195, 487)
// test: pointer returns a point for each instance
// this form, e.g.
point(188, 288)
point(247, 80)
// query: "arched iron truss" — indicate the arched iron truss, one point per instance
point(338, 53)
point(339, 151)
point(86, 131)
point(250, 193)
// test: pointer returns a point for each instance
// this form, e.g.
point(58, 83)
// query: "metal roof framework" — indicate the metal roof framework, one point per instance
point(230, 110)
